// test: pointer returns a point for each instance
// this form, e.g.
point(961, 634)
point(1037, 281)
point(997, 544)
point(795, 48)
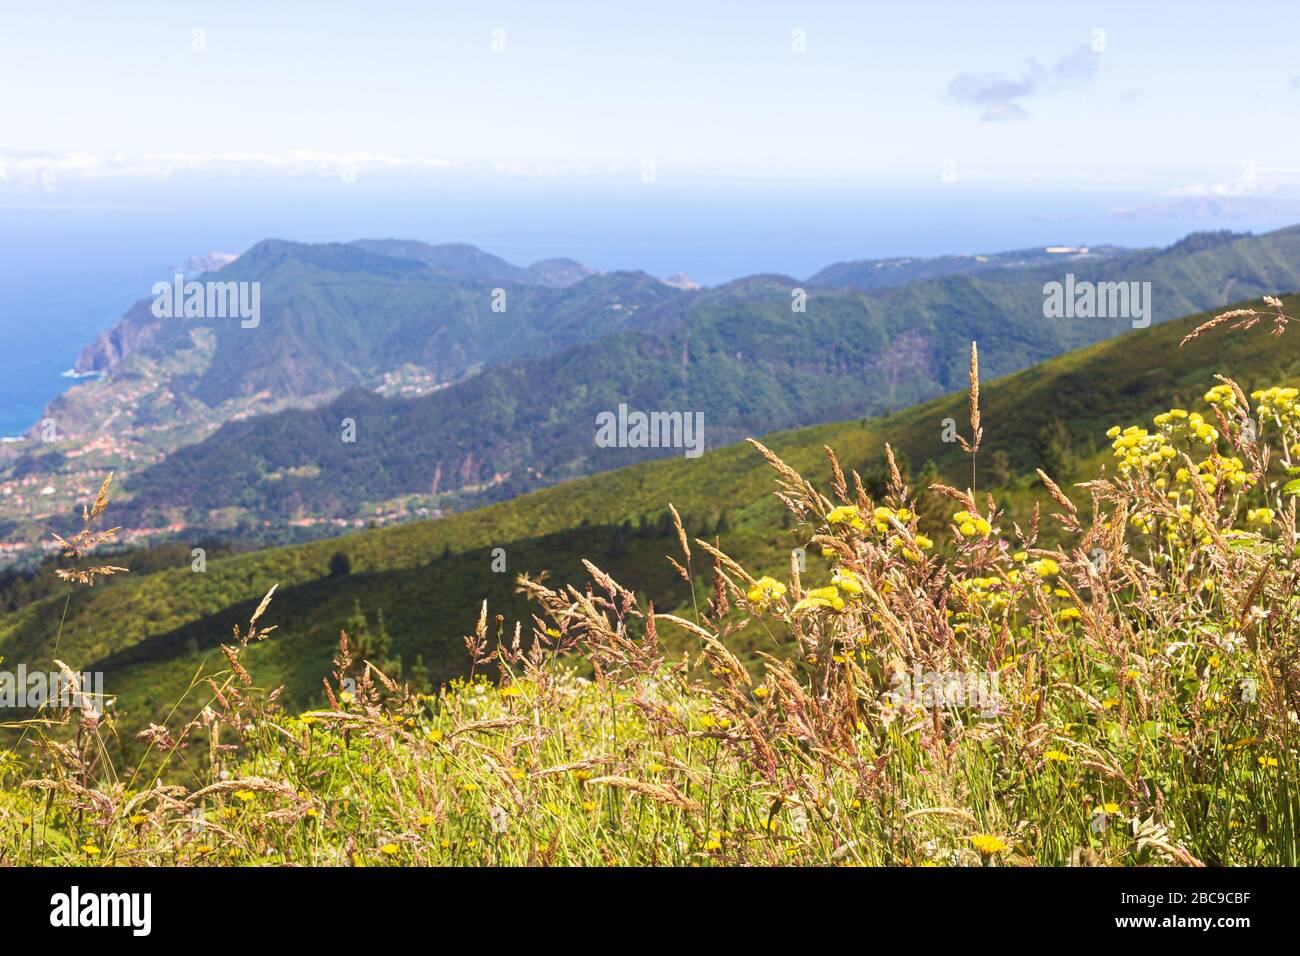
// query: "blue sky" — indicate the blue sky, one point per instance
point(137, 133)
point(1185, 100)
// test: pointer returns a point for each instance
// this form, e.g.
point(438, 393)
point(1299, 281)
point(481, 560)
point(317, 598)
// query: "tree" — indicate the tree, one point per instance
point(368, 645)
point(1056, 448)
point(932, 507)
point(340, 565)
point(617, 546)
point(875, 477)
point(997, 468)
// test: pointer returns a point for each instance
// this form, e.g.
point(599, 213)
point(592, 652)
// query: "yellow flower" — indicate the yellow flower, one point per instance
point(822, 597)
point(1068, 614)
point(1260, 517)
point(1056, 756)
point(846, 580)
point(243, 795)
point(91, 850)
point(1110, 807)
point(511, 691)
point(766, 590)
point(389, 849)
point(1268, 762)
point(988, 844)
point(1045, 568)
point(847, 514)
point(969, 525)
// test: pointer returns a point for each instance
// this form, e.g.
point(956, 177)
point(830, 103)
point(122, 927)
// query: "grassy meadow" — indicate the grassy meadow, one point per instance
point(1096, 669)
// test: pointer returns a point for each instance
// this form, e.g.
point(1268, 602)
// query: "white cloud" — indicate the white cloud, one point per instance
point(47, 170)
point(1259, 190)
point(1000, 93)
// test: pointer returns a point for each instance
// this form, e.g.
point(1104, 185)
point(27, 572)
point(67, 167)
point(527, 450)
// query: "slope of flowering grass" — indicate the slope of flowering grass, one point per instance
point(151, 632)
point(961, 692)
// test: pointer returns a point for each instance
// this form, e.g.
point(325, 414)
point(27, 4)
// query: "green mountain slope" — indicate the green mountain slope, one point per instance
point(150, 633)
point(740, 355)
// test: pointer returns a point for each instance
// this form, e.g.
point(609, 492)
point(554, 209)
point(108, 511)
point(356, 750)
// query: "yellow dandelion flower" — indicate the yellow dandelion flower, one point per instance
point(987, 844)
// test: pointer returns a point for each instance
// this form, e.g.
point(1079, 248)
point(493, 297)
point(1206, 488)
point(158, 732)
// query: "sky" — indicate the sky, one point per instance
point(1182, 100)
point(716, 138)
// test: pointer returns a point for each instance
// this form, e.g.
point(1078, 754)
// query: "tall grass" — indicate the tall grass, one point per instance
point(1127, 697)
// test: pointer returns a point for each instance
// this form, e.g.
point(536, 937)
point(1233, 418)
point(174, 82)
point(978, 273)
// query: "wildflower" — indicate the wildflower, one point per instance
point(822, 597)
point(847, 514)
point(90, 849)
point(389, 849)
point(511, 691)
point(1056, 756)
point(988, 845)
point(847, 581)
point(1221, 395)
point(243, 796)
point(765, 591)
point(969, 525)
point(1259, 517)
point(1045, 568)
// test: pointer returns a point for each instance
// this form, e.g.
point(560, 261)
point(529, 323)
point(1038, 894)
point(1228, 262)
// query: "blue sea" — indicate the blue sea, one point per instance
point(72, 261)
